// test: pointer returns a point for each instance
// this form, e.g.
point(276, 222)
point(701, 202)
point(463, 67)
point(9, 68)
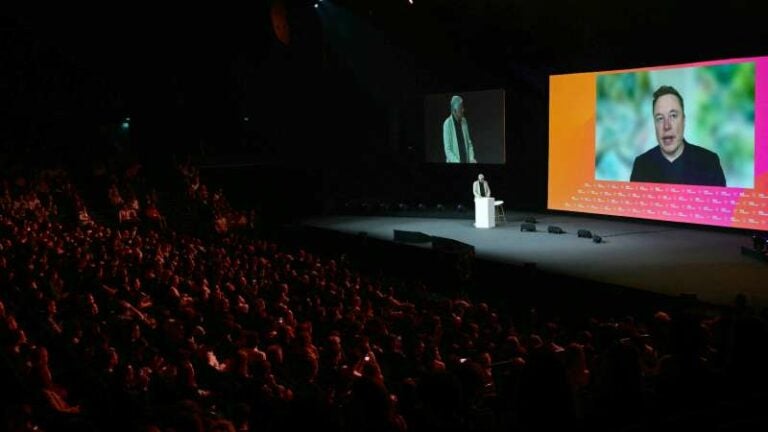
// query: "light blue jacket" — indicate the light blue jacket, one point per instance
point(451, 142)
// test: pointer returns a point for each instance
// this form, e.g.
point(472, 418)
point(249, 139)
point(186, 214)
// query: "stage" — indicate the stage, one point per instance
point(661, 258)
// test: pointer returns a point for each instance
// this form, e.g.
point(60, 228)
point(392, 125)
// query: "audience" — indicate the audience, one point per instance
point(141, 327)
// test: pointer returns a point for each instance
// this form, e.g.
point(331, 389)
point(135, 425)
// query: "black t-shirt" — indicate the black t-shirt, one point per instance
point(460, 140)
point(695, 166)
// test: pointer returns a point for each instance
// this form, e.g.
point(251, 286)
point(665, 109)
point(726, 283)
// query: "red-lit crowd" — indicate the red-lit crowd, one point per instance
point(148, 329)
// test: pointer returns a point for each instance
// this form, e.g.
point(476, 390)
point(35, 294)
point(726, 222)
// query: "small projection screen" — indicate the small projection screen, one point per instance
point(465, 127)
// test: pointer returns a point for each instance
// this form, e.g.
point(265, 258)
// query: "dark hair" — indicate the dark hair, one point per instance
point(667, 90)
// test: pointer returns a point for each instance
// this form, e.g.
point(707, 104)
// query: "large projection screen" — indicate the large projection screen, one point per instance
point(694, 153)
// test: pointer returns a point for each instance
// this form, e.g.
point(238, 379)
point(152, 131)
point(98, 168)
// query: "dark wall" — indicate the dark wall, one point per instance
point(344, 99)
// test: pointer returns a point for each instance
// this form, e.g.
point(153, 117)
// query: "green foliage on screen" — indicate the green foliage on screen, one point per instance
point(719, 109)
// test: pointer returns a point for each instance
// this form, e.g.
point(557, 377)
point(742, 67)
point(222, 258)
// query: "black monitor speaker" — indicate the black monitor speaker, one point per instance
point(585, 233)
point(411, 237)
point(529, 227)
point(555, 230)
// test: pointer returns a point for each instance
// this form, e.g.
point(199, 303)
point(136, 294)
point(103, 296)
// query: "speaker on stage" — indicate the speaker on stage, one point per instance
point(555, 230)
point(597, 239)
point(456, 256)
point(585, 233)
point(411, 237)
point(529, 227)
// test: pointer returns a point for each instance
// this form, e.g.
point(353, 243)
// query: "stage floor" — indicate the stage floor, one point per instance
point(665, 259)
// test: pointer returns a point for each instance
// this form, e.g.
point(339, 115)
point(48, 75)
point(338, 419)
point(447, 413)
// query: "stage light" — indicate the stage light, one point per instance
point(317, 5)
point(126, 123)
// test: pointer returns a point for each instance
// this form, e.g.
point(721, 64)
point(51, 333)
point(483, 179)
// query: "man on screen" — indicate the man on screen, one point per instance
point(456, 141)
point(480, 187)
point(675, 160)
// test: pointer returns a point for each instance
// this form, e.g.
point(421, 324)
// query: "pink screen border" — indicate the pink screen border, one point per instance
point(737, 208)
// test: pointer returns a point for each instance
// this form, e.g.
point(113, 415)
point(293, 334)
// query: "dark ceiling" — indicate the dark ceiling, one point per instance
point(570, 36)
point(200, 61)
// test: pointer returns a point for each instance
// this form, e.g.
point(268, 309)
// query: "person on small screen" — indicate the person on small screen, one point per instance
point(481, 188)
point(675, 160)
point(456, 140)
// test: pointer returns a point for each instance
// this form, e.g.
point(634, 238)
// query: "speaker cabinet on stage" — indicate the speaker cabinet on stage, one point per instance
point(455, 258)
point(555, 230)
point(411, 237)
point(529, 227)
point(585, 233)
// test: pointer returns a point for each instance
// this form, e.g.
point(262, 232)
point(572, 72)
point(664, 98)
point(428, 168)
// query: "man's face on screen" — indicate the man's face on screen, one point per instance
point(669, 119)
point(459, 112)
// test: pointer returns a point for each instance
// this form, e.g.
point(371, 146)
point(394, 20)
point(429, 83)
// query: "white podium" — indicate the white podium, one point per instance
point(485, 216)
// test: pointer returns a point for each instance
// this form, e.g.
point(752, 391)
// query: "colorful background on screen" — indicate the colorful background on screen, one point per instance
point(581, 180)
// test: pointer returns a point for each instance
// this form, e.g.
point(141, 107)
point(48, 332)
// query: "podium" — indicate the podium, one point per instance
point(485, 216)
